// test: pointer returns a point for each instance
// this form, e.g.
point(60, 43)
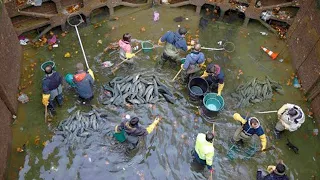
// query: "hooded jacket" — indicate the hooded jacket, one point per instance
point(132, 130)
point(291, 123)
point(83, 82)
point(175, 39)
point(249, 130)
point(51, 82)
point(193, 58)
point(204, 149)
point(125, 47)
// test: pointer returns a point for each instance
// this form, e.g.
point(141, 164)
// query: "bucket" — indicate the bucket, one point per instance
point(212, 104)
point(197, 88)
point(119, 136)
point(45, 64)
point(69, 80)
point(146, 46)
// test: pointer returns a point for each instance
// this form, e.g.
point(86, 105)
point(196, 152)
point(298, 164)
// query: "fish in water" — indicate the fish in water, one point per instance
point(293, 147)
point(203, 23)
point(135, 89)
point(178, 19)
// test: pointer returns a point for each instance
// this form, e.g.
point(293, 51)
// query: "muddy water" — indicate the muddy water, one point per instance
point(166, 153)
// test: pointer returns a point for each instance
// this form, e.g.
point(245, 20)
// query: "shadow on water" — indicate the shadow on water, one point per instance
point(166, 153)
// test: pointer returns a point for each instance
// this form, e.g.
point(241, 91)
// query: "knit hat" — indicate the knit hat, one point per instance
point(134, 121)
point(280, 169)
point(292, 112)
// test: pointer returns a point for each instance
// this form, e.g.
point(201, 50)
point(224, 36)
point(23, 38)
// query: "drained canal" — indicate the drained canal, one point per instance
point(166, 153)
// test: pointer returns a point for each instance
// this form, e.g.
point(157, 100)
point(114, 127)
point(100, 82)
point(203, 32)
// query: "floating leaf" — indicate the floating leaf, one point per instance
point(67, 55)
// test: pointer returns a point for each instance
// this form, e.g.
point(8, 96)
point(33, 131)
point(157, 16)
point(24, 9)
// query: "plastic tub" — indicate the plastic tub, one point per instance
point(197, 88)
point(146, 46)
point(212, 104)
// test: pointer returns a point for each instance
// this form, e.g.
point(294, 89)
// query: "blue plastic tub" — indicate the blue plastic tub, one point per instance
point(212, 104)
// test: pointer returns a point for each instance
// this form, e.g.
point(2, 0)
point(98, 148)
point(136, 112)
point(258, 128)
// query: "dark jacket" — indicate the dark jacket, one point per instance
point(84, 83)
point(52, 82)
point(248, 130)
point(132, 131)
point(193, 59)
point(175, 39)
point(271, 176)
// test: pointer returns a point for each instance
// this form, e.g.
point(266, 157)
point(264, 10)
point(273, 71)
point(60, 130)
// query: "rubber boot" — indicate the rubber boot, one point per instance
point(277, 134)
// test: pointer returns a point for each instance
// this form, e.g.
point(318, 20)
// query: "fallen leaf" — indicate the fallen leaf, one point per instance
point(143, 29)
point(67, 55)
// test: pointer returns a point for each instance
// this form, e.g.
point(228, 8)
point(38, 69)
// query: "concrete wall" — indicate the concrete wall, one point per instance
point(304, 46)
point(11, 55)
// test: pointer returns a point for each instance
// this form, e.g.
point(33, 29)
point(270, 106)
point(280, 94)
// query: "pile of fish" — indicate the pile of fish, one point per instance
point(80, 125)
point(256, 91)
point(136, 89)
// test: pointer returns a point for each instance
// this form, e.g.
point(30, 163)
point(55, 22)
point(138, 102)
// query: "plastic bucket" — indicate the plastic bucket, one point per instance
point(119, 136)
point(69, 79)
point(197, 88)
point(45, 64)
point(212, 104)
point(146, 46)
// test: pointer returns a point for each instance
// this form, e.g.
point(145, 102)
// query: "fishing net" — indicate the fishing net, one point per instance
point(229, 47)
point(75, 19)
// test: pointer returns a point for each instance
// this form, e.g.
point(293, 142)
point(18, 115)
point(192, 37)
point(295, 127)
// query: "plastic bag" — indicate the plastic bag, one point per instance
point(23, 98)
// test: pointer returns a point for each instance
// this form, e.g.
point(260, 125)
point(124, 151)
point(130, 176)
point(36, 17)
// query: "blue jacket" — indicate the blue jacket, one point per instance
point(248, 130)
point(193, 58)
point(52, 82)
point(175, 39)
point(84, 83)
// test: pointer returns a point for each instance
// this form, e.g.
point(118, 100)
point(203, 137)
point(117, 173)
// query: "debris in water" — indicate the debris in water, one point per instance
point(67, 55)
point(37, 140)
point(143, 29)
point(23, 98)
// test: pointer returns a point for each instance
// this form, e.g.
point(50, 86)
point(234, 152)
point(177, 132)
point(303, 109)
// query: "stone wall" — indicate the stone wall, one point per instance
point(11, 55)
point(304, 46)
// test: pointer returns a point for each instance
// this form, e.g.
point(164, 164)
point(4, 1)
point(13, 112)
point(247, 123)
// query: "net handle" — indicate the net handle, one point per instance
point(73, 15)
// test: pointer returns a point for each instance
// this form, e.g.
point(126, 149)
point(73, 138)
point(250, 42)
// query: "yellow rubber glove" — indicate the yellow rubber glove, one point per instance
point(238, 117)
point(263, 140)
point(220, 87)
point(160, 43)
point(203, 65)
point(45, 99)
point(189, 47)
point(204, 75)
point(130, 55)
point(153, 125)
point(271, 168)
point(91, 73)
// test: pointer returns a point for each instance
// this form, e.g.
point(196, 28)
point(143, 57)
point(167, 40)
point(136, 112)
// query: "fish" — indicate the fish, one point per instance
point(143, 88)
point(203, 23)
point(294, 148)
point(169, 98)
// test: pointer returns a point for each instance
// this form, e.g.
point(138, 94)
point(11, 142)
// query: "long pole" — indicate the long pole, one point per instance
point(177, 75)
point(117, 67)
point(213, 49)
point(80, 42)
point(211, 172)
point(45, 113)
point(266, 112)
